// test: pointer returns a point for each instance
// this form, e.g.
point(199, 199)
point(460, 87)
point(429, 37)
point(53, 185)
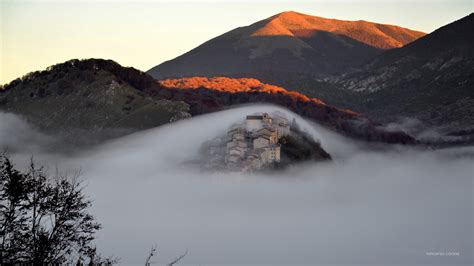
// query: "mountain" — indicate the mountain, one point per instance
point(426, 80)
point(288, 42)
point(206, 95)
point(86, 100)
point(430, 79)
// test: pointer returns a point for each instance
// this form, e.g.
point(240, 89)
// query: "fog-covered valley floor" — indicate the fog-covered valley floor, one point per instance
point(373, 204)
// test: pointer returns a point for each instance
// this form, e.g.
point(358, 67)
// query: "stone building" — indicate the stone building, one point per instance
point(253, 123)
point(268, 154)
point(235, 130)
point(261, 141)
point(236, 147)
point(268, 132)
point(255, 144)
point(273, 153)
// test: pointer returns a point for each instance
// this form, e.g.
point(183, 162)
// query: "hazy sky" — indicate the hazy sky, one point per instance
point(142, 34)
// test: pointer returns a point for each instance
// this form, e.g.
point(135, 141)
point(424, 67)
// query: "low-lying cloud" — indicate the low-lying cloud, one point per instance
point(16, 135)
point(374, 204)
point(420, 131)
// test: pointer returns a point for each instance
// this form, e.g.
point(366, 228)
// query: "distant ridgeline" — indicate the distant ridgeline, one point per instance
point(87, 101)
point(352, 65)
point(262, 142)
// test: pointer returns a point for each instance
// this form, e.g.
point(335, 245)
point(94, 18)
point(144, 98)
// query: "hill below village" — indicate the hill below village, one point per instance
point(261, 142)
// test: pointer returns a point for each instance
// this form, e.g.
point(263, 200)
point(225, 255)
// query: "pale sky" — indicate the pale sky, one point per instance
point(142, 34)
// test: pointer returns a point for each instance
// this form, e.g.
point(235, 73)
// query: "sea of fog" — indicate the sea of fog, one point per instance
point(373, 204)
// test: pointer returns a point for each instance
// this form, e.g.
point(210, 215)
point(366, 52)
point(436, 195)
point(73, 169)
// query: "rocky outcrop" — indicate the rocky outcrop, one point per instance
point(431, 80)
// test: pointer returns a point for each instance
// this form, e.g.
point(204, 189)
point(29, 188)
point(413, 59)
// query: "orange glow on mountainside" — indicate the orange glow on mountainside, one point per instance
point(303, 26)
point(234, 85)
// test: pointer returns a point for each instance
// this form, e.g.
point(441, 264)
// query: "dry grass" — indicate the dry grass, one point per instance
point(374, 34)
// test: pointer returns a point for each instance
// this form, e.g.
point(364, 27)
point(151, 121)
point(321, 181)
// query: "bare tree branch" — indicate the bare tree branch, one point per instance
point(178, 259)
point(152, 252)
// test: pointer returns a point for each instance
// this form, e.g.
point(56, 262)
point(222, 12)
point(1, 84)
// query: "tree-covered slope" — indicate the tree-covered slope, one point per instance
point(87, 99)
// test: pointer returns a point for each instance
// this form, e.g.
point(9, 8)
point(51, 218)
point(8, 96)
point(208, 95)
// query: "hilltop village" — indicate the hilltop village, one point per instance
point(263, 141)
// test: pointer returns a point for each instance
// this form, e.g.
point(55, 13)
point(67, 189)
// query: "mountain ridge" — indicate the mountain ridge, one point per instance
point(431, 79)
point(287, 42)
point(206, 95)
point(299, 24)
point(88, 101)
